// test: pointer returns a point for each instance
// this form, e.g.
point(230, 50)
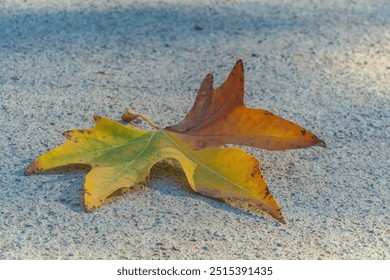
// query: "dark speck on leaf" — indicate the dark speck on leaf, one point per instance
point(198, 27)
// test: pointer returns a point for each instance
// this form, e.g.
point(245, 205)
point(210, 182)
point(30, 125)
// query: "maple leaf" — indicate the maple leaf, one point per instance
point(121, 156)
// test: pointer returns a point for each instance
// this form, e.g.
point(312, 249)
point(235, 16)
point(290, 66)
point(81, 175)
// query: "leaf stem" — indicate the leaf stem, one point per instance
point(130, 116)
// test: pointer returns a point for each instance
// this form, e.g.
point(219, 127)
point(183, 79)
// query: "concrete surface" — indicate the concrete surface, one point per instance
point(322, 64)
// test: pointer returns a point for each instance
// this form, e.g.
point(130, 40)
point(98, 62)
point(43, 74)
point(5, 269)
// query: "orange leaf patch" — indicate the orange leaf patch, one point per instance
point(220, 117)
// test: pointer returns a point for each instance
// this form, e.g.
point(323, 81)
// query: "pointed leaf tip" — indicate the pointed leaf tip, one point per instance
point(34, 167)
point(207, 85)
point(67, 134)
point(240, 62)
point(210, 80)
point(282, 220)
point(88, 209)
point(96, 118)
point(321, 143)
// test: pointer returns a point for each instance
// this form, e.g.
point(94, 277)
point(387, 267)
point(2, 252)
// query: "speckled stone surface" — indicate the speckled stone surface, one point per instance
point(322, 64)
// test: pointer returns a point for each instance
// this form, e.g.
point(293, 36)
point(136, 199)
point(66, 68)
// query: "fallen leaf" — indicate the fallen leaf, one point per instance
point(122, 156)
point(220, 117)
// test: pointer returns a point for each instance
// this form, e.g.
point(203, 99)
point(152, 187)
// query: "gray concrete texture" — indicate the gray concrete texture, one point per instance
point(322, 64)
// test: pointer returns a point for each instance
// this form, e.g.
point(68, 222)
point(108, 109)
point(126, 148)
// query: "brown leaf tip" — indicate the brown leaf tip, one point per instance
point(282, 220)
point(318, 142)
point(321, 143)
point(279, 216)
point(96, 118)
point(210, 78)
point(88, 209)
point(67, 134)
point(33, 168)
point(240, 64)
point(207, 85)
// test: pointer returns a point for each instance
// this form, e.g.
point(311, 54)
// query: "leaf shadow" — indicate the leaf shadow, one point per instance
point(171, 171)
point(168, 170)
point(164, 25)
point(72, 177)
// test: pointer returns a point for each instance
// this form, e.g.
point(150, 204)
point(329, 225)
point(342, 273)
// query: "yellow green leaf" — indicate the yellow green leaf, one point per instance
point(121, 156)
